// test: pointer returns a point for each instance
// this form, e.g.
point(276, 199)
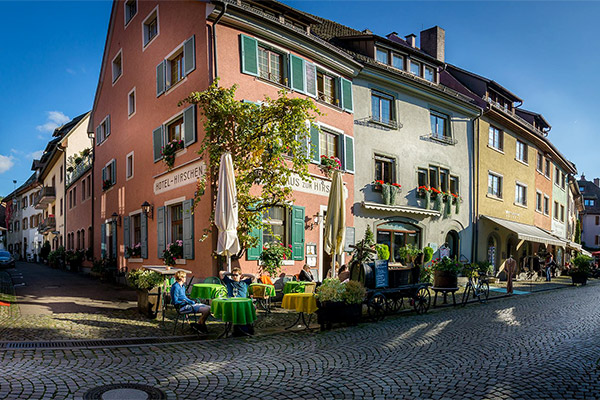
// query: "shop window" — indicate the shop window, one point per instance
point(397, 235)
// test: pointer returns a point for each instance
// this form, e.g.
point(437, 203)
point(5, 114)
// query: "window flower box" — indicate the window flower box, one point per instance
point(329, 164)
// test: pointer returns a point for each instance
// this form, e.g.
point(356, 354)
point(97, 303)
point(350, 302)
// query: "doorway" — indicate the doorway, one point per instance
point(453, 243)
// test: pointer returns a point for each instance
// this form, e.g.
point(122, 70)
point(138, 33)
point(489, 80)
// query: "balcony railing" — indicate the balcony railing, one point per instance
point(44, 197)
point(79, 170)
point(434, 137)
point(47, 224)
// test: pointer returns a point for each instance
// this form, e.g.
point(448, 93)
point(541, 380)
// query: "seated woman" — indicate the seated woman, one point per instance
point(185, 305)
point(344, 273)
point(305, 274)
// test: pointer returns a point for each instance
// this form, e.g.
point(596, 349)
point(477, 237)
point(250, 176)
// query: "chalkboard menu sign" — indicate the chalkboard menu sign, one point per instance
point(381, 273)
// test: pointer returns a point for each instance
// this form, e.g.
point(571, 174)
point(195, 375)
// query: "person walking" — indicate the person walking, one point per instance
point(549, 265)
point(510, 268)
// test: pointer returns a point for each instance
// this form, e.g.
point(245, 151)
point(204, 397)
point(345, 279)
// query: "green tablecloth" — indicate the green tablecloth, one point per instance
point(269, 289)
point(208, 291)
point(294, 287)
point(237, 310)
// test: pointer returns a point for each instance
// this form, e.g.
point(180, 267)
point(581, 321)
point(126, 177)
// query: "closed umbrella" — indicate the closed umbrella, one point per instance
point(226, 212)
point(335, 222)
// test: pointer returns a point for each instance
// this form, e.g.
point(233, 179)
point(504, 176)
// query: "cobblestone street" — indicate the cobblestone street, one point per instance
point(540, 346)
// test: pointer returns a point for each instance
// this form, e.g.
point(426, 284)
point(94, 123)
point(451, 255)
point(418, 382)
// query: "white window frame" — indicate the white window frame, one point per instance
point(126, 22)
point(332, 130)
point(546, 201)
point(500, 185)
point(541, 204)
point(433, 70)
point(129, 113)
point(524, 187)
point(172, 55)
point(562, 213)
point(128, 172)
point(524, 153)
point(168, 221)
point(119, 55)
point(398, 55)
point(382, 50)
point(103, 131)
point(392, 100)
point(555, 211)
point(131, 230)
point(149, 17)
point(418, 63)
point(500, 147)
point(447, 134)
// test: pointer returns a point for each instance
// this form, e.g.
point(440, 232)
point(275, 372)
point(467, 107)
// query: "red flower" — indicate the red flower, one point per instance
point(396, 184)
point(455, 195)
point(435, 190)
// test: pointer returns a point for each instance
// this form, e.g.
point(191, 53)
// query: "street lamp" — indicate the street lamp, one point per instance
point(116, 218)
point(147, 209)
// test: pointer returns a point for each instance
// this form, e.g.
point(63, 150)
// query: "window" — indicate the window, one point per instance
point(397, 61)
point(151, 27)
point(61, 206)
point(74, 196)
point(589, 202)
point(175, 65)
point(60, 177)
point(439, 125)
point(434, 177)
point(521, 194)
point(422, 177)
point(496, 138)
point(597, 220)
point(597, 240)
point(396, 236)
point(174, 130)
point(109, 175)
point(83, 183)
point(326, 88)
point(454, 187)
point(103, 130)
point(270, 65)
point(130, 10)
point(129, 166)
point(495, 185)
point(547, 168)
point(382, 56)
point(538, 202)
point(581, 189)
point(556, 176)
point(131, 103)
point(328, 143)
point(444, 180)
point(25, 223)
point(562, 213)
point(415, 68)
point(117, 67)
point(25, 198)
point(384, 169)
point(136, 229)
point(556, 210)
point(563, 181)
point(175, 214)
point(540, 162)
point(275, 217)
point(429, 74)
point(521, 151)
point(546, 205)
point(381, 108)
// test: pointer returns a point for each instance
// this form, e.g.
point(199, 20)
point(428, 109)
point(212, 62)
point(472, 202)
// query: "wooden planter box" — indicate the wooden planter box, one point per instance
point(338, 312)
point(579, 278)
point(148, 302)
point(444, 279)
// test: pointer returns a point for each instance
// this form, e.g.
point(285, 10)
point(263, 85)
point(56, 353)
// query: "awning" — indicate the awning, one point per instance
point(574, 246)
point(527, 232)
point(400, 209)
point(586, 253)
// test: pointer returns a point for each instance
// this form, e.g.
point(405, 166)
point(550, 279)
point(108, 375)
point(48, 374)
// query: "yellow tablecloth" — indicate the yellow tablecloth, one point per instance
point(301, 302)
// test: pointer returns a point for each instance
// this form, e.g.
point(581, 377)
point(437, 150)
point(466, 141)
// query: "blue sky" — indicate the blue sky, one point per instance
point(543, 51)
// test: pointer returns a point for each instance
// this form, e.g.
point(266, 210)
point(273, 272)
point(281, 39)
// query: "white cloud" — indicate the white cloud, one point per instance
point(6, 163)
point(35, 155)
point(55, 119)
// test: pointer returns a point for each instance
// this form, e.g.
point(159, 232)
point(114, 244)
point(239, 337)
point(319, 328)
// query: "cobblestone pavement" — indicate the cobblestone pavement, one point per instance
point(542, 346)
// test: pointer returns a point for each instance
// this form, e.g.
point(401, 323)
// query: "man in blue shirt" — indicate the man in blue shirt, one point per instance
point(236, 286)
point(184, 304)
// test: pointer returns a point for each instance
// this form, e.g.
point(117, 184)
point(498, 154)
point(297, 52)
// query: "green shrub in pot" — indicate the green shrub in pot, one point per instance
point(354, 292)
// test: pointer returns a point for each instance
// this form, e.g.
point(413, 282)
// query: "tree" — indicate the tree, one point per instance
point(268, 143)
point(578, 232)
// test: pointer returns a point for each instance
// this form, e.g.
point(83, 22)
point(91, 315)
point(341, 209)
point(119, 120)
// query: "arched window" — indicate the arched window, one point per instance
point(397, 235)
point(453, 243)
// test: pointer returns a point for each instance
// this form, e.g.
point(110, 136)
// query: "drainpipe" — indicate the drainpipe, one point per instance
point(214, 38)
point(475, 216)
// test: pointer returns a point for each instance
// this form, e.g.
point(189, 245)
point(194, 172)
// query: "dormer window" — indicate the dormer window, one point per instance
point(415, 68)
point(382, 56)
point(429, 74)
point(397, 61)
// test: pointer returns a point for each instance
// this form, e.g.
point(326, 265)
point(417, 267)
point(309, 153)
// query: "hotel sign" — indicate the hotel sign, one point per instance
point(313, 186)
point(182, 176)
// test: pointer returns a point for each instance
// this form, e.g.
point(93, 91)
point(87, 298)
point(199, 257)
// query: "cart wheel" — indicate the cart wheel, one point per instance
point(395, 304)
point(377, 307)
point(422, 300)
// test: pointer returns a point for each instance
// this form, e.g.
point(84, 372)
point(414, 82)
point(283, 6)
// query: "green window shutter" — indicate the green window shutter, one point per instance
point(98, 134)
point(314, 144)
point(157, 142)
point(189, 125)
point(297, 233)
point(188, 230)
point(341, 153)
point(298, 73)
point(160, 78)
point(311, 79)
point(189, 55)
point(349, 153)
point(113, 172)
point(103, 240)
point(107, 126)
point(144, 235)
point(347, 95)
point(249, 55)
point(126, 234)
point(113, 231)
point(253, 253)
point(103, 174)
point(160, 231)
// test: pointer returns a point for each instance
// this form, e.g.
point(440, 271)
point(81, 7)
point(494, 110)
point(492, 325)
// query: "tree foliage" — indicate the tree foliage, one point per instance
point(268, 143)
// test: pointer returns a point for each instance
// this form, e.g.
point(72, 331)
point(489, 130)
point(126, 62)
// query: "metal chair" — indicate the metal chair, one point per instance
point(184, 315)
point(213, 279)
point(261, 297)
point(189, 285)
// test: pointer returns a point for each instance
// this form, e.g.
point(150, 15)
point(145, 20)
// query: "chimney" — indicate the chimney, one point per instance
point(433, 42)
point(412, 40)
point(597, 182)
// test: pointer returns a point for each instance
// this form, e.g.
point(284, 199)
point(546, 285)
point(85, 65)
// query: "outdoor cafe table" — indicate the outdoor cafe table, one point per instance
point(303, 303)
point(269, 289)
point(233, 311)
point(208, 291)
point(294, 287)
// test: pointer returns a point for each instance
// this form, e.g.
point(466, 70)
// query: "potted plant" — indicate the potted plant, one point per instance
point(78, 160)
point(383, 251)
point(437, 197)
point(456, 200)
point(106, 184)
point(172, 253)
point(424, 192)
point(272, 256)
point(145, 282)
point(329, 164)
point(389, 191)
point(339, 302)
point(70, 169)
point(168, 152)
point(134, 251)
point(445, 272)
point(85, 152)
point(581, 269)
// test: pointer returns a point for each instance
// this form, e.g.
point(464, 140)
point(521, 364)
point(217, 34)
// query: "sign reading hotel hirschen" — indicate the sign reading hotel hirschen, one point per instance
point(185, 175)
point(381, 273)
point(316, 186)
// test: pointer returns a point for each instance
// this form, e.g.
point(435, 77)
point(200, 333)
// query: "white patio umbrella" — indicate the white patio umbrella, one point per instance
point(226, 212)
point(335, 222)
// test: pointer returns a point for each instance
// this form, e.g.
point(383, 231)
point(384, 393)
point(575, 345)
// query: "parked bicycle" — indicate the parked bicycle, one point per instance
point(479, 289)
